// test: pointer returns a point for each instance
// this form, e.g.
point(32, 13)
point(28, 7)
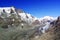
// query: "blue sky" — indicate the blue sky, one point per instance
point(38, 8)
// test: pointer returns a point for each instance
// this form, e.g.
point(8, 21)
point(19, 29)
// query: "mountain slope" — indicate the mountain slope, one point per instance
point(16, 24)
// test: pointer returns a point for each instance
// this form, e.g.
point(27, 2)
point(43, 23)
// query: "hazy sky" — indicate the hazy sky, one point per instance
point(38, 8)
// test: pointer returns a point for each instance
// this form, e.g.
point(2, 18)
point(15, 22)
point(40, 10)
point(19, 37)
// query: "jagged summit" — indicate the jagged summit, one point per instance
point(7, 9)
point(10, 10)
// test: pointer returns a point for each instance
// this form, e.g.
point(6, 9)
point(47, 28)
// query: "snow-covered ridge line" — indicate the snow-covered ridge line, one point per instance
point(25, 16)
point(11, 10)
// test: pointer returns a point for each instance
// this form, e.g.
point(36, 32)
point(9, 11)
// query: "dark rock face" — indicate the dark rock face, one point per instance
point(12, 11)
point(57, 29)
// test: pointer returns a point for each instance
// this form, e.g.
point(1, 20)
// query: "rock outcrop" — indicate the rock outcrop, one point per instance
point(54, 31)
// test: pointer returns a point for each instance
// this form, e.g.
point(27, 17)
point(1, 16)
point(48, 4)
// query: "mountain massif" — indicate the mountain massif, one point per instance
point(15, 24)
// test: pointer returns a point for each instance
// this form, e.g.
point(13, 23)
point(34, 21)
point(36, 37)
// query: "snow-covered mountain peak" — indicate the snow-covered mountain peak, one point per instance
point(8, 11)
point(13, 16)
point(48, 17)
